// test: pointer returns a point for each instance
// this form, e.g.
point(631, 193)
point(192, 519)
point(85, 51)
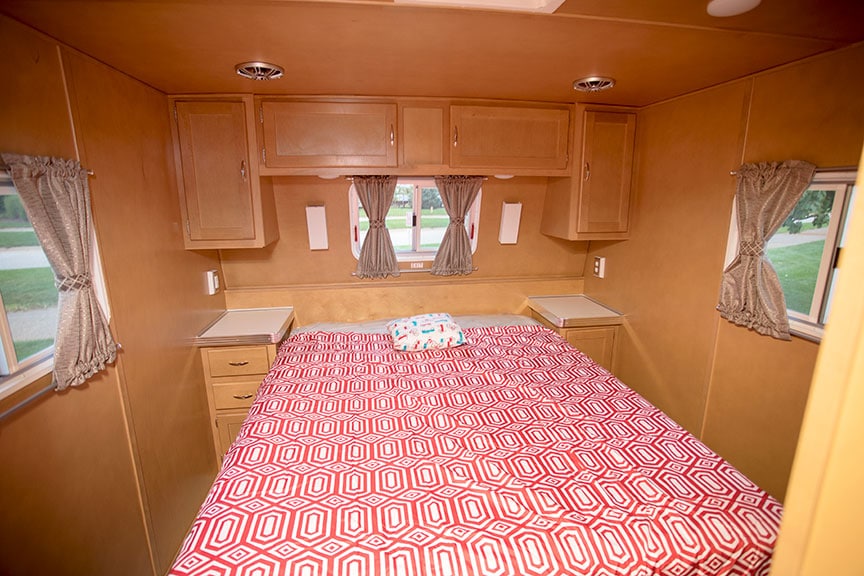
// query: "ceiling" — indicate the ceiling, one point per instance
point(655, 49)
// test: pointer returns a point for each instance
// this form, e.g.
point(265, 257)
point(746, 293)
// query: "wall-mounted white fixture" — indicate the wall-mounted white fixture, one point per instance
point(724, 8)
point(511, 213)
point(316, 223)
point(212, 277)
point(503, 176)
point(600, 266)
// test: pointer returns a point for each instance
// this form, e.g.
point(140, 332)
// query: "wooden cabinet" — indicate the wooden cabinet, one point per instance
point(593, 203)
point(586, 324)
point(328, 134)
point(236, 353)
point(597, 342)
point(232, 375)
point(509, 138)
point(411, 137)
point(423, 142)
point(224, 203)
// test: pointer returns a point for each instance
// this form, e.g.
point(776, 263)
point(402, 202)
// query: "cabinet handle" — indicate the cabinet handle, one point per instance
point(243, 170)
point(241, 363)
point(455, 135)
point(392, 136)
point(242, 396)
point(587, 171)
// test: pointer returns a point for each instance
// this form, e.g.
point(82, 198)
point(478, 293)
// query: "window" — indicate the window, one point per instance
point(804, 251)
point(28, 297)
point(416, 220)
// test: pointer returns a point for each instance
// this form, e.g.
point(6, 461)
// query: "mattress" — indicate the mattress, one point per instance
point(514, 454)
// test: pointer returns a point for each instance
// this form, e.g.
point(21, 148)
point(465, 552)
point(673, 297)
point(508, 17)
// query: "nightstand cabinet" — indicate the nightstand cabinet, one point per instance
point(232, 375)
point(586, 324)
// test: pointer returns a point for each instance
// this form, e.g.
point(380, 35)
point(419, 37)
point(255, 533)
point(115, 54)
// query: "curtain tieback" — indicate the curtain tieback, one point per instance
point(751, 248)
point(458, 220)
point(77, 282)
point(376, 224)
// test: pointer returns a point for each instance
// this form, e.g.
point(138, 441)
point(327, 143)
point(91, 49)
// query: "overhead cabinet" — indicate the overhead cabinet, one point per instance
point(593, 203)
point(328, 134)
point(509, 138)
point(224, 203)
point(411, 137)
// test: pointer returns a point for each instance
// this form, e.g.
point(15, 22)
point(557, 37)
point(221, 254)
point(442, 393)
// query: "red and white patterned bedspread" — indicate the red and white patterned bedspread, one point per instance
point(514, 454)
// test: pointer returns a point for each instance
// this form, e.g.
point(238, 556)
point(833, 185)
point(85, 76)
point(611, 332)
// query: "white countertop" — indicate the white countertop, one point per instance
point(247, 326)
point(572, 310)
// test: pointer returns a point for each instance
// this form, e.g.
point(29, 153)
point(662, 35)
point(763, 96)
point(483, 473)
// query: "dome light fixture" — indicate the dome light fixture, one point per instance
point(593, 84)
point(725, 8)
point(259, 70)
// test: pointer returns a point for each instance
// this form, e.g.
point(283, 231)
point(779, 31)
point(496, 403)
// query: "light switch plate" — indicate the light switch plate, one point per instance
point(599, 266)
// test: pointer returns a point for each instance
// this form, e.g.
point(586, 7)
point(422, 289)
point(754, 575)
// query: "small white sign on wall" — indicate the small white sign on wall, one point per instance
point(511, 213)
point(316, 223)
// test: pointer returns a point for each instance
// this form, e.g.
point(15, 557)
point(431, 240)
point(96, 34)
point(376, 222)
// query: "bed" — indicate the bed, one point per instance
point(512, 454)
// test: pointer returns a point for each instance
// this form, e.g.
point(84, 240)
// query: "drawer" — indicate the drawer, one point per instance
point(234, 395)
point(239, 361)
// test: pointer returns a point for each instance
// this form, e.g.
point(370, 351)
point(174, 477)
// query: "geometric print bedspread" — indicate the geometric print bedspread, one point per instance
point(511, 455)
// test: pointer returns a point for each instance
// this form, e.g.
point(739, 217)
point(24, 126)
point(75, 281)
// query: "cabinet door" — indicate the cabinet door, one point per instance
point(327, 134)
point(423, 136)
point(217, 182)
point(607, 164)
point(228, 425)
point(509, 138)
point(598, 343)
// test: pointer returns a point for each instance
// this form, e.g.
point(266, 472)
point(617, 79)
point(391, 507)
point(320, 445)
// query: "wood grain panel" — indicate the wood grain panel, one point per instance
point(302, 134)
point(68, 491)
point(497, 136)
point(289, 262)
point(756, 403)
point(813, 111)
point(156, 290)
point(355, 48)
point(215, 158)
point(666, 277)
point(335, 303)
point(423, 138)
point(33, 111)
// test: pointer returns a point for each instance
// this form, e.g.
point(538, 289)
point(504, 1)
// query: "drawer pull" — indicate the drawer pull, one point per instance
point(242, 396)
point(241, 363)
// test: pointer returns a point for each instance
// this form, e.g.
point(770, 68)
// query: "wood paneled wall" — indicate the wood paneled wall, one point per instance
point(320, 285)
point(105, 479)
point(743, 394)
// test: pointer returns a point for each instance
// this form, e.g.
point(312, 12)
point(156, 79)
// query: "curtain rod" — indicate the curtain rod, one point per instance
point(818, 170)
point(5, 168)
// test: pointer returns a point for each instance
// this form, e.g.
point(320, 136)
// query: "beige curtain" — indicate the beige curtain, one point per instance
point(56, 197)
point(750, 294)
point(377, 257)
point(454, 254)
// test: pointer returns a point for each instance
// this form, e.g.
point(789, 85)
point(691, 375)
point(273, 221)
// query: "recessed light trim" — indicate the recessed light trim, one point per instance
point(259, 70)
point(593, 84)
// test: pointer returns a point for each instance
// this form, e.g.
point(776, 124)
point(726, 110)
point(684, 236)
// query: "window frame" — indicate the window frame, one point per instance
point(472, 222)
point(811, 326)
point(21, 373)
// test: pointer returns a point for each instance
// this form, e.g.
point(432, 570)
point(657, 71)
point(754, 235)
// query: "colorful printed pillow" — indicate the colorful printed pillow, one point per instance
point(425, 332)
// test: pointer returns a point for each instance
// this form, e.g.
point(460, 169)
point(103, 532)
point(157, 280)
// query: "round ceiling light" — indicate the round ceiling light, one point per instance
point(724, 8)
point(593, 84)
point(259, 70)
